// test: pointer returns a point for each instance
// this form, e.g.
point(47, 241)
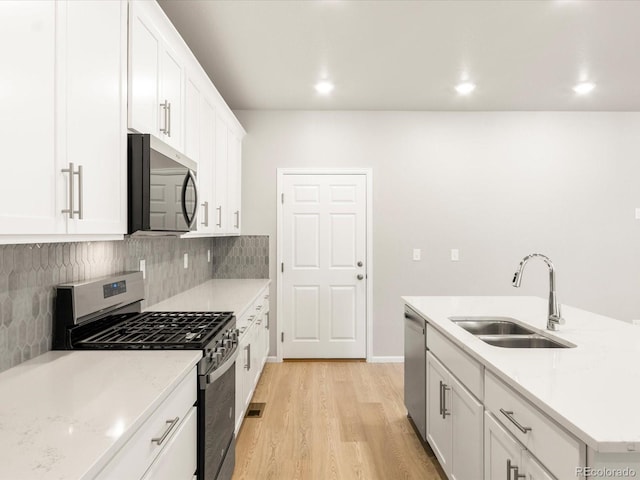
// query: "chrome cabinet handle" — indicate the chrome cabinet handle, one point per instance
point(266, 297)
point(166, 120)
point(441, 396)
point(445, 412)
point(509, 415)
point(516, 471)
point(80, 210)
point(237, 214)
point(219, 209)
point(247, 365)
point(359, 264)
point(169, 122)
point(162, 438)
point(259, 307)
point(360, 276)
point(71, 171)
point(266, 324)
point(205, 222)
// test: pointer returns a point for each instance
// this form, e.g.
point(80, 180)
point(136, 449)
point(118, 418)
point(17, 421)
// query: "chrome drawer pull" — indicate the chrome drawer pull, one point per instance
point(259, 307)
point(445, 412)
point(509, 415)
point(172, 424)
point(516, 470)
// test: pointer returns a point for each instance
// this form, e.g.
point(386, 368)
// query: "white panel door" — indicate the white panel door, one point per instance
point(324, 253)
point(29, 172)
point(234, 162)
point(205, 167)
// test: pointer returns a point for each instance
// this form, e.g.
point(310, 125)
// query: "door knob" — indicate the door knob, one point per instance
point(360, 276)
point(359, 264)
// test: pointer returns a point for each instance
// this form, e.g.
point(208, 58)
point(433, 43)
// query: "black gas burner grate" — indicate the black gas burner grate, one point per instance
point(159, 330)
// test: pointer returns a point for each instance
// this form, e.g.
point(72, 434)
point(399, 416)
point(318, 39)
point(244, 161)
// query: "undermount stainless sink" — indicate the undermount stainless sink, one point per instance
point(506, 332)
point(521, 341)
point(491, 326)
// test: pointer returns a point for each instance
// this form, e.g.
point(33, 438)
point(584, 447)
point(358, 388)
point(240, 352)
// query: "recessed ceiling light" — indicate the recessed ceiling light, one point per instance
point(584, 87)
point(324, 87)
point(465, 88)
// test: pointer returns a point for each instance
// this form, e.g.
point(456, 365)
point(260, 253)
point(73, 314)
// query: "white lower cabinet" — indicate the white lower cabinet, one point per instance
point(178, 460)
point(254, 338)
point(165, 445)
point(506, 458)
point(454, 423)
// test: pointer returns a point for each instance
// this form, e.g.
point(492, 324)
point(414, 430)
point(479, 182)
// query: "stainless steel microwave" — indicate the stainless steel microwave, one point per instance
point(162, 188)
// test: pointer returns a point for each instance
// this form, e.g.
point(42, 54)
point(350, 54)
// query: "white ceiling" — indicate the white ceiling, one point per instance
point(408, 55)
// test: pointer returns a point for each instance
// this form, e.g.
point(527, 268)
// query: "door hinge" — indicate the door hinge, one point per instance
point(282, 267)
point(282, 198)
point(282, 337)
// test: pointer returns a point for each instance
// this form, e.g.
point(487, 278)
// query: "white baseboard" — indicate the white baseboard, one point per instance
point(272, 360)
point(399, 359)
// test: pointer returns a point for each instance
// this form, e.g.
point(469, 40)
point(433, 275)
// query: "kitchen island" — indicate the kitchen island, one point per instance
point(587, 394)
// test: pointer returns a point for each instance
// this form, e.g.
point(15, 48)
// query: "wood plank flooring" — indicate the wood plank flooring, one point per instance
point(332, 420)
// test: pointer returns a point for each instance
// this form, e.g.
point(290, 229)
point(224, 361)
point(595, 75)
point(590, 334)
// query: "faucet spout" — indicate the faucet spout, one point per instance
point(554, 317)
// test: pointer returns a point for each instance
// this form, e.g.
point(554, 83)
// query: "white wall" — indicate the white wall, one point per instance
point(496, 185)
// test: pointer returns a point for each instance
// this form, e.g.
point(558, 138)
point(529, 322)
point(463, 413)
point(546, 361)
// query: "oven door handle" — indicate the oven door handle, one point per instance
point(222, 369)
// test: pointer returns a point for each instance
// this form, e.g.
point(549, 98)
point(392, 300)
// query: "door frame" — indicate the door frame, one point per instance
point(368, 173)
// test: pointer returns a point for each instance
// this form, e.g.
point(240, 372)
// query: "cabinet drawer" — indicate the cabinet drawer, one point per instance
point(466, 369)
point(178, 460)
point(135, 457)
point(556, 449)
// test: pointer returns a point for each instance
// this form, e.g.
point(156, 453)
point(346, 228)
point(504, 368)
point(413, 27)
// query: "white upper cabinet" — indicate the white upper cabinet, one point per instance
point(172, 98)
point(221, 179)
point(29, 178)
point(155, 77)
point(94, 76)
point(68, 84)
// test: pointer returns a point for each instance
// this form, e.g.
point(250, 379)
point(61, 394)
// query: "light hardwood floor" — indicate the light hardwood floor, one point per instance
point(332, 420)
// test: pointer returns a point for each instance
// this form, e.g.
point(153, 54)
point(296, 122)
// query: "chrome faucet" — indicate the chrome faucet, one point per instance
point(555, 318)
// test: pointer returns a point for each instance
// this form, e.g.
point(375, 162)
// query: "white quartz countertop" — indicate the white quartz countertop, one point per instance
point(235, 295)
point(63, 415)
point(593, 390)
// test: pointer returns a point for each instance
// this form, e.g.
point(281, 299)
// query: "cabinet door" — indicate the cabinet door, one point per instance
point(205, 168)
point(221, 225)
point(144, 71)
point(467, 433)
point(240, 397)
point(28, 203)
point(439, 420)
point(178, 459)
point(171, 97)
point(234, 195)
point(249, 367)
point(192, 120)
point(95, 125)
point(533, 470)
point(501, 450)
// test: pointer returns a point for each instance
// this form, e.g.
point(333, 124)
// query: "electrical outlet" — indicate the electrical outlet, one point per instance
point(186, 260)
point(455, 255)
point(208, 256)
point(417, 254)
point(143, 269)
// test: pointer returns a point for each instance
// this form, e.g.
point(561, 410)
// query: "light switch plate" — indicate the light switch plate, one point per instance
point(143, 268)
point(455, 255)
point(186, 260)
point(417, 254)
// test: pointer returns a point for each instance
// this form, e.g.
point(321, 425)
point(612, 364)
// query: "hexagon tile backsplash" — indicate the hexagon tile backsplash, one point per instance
point(29, 273)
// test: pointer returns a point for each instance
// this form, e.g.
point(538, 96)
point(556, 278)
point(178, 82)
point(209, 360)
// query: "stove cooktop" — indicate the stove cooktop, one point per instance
point(160, 330)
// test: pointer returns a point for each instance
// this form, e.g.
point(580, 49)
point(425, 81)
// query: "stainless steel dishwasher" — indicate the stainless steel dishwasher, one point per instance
point(415, 376)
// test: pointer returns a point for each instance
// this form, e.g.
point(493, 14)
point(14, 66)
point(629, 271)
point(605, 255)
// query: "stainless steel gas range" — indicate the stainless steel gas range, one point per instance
point(105, 314)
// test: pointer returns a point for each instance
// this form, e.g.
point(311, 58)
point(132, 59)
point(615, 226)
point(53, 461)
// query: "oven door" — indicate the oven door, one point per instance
point(216, 418)
point(163, 193)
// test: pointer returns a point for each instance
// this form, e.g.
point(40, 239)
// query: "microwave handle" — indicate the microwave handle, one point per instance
point(189, 221)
